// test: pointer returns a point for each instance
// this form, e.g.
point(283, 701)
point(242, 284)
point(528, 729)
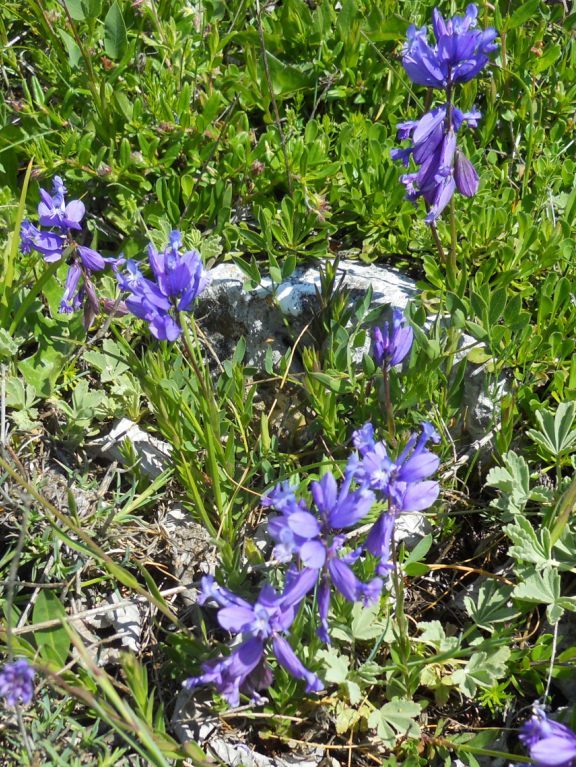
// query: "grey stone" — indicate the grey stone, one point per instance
point(152, 453)
point(271, 318)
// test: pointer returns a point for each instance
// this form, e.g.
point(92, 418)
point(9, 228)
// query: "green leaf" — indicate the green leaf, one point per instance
point(72, 49)
point(109, 363)
point(53, 643)
point(539, 587)
point(337, 385)
point(548, 58)
point(478, 355)
point(365, 623)
point(490, 605)
point(482, 671)
point(522, 14)
point(513, 478)
point(91, 8)
point(337, 666)
point(115, 38)
point(286, 79)
point(433, 634)
point(396, 719)
point(528, 545)
point(75, 9)
point(8, 346)
point(556, 435)
point(497, 305)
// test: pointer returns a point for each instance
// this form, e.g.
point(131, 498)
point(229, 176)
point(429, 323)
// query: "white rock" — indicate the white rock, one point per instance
point(268, 317)
point(153, 454)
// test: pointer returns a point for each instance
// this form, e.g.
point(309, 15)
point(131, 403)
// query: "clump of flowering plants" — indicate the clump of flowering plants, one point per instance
point(312, 540)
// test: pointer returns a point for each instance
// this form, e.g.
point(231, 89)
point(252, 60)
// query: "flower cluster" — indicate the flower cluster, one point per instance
point(266, 621)
point(311, 538)
point(459, 54)
point(57, 243)
point(17, 682)
point(549, 743)
point(392, 342)
point(177, 279)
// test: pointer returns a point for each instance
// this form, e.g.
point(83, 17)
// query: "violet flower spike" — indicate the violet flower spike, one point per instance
point(549, 743)
point(245, 669)
point(17, 682)
point(402, 482)
point(315, 540)
point(459, 53)
point(53, 210)
point(443, 168)
point(177, 280)
point(392, 343)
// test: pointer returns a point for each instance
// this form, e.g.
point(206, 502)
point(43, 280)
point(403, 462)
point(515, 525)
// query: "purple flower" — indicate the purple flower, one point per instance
point(549, 743)
point(245, 669)
point(393, 341)
point(402, 482)
point(17, 682)
point(53, 211)
point(314, 538)
point(460, 52)
point(49, 244)
point(178, 278)
point(79, 290)
point(443, 168)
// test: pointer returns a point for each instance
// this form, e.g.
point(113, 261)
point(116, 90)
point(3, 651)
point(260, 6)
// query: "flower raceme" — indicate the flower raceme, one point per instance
point(460, 53)
point(17, 682)
point(443, 168)
point(65, 218)
point(266, 621)
point(401, 482)
point(549, 743)
point(317, 539)
point(177, 279)
point(311, 539)
point(392, 342)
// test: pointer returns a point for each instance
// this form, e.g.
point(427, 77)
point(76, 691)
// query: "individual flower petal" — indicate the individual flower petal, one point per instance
point(419, 496)
point(313, 554)
point(73, 214)
point(363, 438)
point(465, 175)
point(351, 509)
point(418, 467)
point(345, 581)
point(555, 751)
point(324, 599)
point(303, 524)
point(288, 658)
point(236, 618)
point(91, 259)
point(325, 493)
point(70, 287)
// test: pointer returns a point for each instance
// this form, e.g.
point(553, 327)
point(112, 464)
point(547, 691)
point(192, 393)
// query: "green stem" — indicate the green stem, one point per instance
point(452, 263)
point(438, 243)
point(401, 622)
point(481, 751)
point(389, 410)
